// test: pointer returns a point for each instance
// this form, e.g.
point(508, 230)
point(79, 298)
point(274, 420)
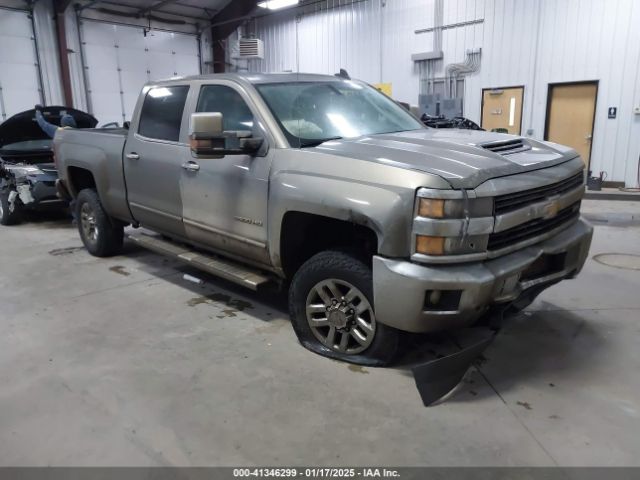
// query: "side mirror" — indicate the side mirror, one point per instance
point(207, 137)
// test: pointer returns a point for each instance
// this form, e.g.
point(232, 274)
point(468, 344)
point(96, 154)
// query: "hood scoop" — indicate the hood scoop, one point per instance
point(507, 147)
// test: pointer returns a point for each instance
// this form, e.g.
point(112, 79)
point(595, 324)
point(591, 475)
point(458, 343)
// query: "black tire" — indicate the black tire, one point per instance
point(106, 237)
point(342, 271)
point(8, 217)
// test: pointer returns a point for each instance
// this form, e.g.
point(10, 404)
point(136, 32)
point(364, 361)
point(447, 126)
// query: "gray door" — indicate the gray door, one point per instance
point(153, 159)
point(224, 199)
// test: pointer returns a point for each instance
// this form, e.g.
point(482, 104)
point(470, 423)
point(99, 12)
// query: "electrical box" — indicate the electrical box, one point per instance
point(249, 48)
point(451, 107)
point(429, 104)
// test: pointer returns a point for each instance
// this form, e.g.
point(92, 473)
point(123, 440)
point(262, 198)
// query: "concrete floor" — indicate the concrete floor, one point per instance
point(123, 362)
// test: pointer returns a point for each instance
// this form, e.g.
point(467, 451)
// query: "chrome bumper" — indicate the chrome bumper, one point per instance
point(421, 298)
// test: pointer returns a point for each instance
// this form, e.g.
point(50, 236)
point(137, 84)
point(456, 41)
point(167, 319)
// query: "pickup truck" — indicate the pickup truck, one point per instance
point(375, 223)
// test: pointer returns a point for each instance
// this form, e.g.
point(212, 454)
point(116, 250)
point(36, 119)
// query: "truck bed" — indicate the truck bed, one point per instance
point(96, 150)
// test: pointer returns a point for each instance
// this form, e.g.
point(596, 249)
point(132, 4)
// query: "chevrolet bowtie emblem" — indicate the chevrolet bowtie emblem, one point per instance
point(551, 209)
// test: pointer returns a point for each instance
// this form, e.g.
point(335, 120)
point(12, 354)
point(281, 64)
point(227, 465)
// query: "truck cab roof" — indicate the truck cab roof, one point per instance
point(253, 78)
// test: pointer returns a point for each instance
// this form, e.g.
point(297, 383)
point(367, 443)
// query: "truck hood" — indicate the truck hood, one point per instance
point(465, 158)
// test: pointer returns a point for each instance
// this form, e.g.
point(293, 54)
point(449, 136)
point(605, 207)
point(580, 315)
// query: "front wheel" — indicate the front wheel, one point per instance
point(101, 236)
point(10, 213)
point(331, 307)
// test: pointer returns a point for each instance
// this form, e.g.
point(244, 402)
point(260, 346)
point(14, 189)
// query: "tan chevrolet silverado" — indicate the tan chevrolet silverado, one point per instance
point(374, 222)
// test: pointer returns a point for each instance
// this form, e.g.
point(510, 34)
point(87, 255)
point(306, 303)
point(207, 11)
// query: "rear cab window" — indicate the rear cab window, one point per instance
point(161, 114)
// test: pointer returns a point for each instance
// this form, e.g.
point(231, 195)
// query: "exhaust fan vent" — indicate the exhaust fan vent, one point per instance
point(250, 48)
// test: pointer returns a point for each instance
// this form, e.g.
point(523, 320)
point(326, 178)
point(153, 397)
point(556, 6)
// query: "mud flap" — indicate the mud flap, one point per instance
point(438, 377)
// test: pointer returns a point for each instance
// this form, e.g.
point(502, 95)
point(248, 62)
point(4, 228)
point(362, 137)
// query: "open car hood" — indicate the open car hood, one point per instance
point(22, 127)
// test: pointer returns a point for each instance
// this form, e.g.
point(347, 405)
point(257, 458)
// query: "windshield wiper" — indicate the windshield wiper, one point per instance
point(315, 143)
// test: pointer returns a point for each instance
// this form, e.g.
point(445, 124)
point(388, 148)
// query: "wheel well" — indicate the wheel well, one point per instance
point(304, 234)
point(79, 179)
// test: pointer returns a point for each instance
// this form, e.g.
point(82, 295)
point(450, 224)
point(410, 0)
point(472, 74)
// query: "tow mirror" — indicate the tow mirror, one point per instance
point(207, 137)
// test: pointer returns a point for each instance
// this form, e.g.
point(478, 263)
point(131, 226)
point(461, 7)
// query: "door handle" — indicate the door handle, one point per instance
point(191, 166)
point(588, 138)
point(132, 156)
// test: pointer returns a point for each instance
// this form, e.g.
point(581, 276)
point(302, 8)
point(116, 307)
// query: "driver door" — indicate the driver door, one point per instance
point(224, 199)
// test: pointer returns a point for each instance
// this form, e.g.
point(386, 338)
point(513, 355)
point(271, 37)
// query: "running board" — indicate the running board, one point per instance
point(223, 268)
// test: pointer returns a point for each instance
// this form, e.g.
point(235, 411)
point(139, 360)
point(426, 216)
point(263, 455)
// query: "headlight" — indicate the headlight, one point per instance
point(23, 169)
point(451, 225)
point(431, 207)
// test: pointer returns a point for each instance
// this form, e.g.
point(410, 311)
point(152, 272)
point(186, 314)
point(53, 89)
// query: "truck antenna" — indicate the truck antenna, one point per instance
point(343, 74)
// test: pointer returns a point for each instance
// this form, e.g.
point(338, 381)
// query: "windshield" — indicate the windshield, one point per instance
point(310, 113)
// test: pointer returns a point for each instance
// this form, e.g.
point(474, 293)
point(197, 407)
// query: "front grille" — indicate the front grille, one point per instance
point(507, 147)
point(532, 229)
point(514, 201)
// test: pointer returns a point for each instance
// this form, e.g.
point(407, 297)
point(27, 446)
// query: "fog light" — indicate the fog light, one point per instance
point(434, 297)
point(429, 245)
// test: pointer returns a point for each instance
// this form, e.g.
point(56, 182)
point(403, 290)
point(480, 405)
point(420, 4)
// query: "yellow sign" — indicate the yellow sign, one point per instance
point(384, 88)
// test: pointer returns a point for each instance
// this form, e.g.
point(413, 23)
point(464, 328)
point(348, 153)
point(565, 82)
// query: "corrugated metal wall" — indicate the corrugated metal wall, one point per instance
point(524, 42)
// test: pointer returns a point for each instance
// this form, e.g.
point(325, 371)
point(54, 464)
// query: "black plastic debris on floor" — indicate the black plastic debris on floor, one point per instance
point(436, 378)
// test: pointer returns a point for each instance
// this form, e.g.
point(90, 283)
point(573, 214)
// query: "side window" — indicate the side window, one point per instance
point(220, 98)
point(161, 114)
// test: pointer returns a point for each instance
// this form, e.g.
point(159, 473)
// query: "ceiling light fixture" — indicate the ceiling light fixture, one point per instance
point(277, 4)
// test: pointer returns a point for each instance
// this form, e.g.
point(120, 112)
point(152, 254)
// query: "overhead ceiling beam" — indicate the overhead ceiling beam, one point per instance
point(224, 24)
point(87, 5)
point(155, 6)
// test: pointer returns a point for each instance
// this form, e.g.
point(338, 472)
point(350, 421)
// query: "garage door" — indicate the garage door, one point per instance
point(119, 60)
point(19, 70)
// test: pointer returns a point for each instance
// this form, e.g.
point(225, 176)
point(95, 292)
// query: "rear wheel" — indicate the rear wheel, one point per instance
point(101, 236)
point(331, 306)
point(9, 214)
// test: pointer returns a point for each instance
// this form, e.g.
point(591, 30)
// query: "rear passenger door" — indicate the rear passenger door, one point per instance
point(153, 156)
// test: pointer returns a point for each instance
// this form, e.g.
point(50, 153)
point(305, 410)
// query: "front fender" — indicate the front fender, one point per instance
point(385, 210)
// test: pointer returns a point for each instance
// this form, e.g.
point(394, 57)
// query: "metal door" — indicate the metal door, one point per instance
point(120, 59)
point(20, 81)
point(502, 109)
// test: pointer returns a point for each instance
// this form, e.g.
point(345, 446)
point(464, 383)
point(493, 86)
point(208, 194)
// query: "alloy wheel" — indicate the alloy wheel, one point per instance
point(89, 223)
point(340, 316)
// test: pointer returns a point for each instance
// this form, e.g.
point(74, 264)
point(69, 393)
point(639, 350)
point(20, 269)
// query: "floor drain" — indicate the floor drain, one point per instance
point(626, 261)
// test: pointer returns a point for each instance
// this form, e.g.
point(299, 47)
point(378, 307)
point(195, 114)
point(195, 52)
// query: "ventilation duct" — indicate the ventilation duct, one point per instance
point(249, 48)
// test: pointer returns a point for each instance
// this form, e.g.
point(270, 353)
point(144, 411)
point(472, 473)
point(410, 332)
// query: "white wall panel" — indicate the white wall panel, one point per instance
point(19, 74)
point(120, 59)
point(524, 42)
point(46, 35)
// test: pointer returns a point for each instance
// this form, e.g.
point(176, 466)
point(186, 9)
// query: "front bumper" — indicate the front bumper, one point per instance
point(421, 298)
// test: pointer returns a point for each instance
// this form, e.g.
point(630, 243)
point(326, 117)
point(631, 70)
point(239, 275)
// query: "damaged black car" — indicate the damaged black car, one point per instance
point(27, 167)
